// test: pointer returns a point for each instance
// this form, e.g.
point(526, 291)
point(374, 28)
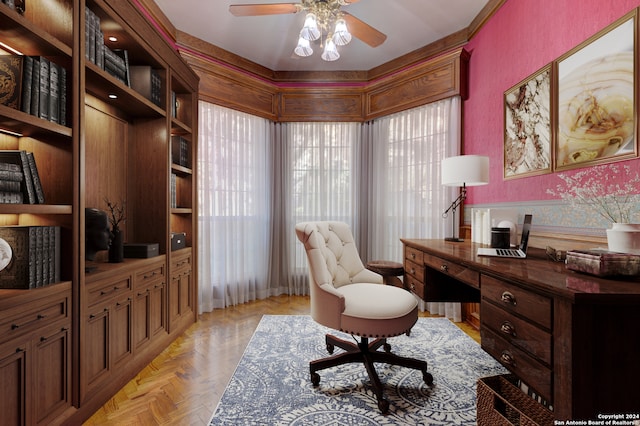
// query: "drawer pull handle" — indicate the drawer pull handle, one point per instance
point(508, 328)
point(507, 358)
point(413, 271)
point(509, 298)
point(38, 317)
point(413, 255)
point(412, 286)
point(444, 268)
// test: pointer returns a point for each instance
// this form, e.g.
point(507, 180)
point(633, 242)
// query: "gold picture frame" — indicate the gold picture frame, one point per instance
point(596, 98)
point(527, 126)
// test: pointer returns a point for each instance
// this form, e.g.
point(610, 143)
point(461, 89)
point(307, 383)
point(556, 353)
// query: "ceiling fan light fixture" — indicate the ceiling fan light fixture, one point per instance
point(310, 29)
point(303, 48)
point(330, 52)
point(341, 35)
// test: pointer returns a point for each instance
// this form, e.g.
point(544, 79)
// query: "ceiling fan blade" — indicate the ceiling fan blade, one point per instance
point(363, 31)
point(264, 9)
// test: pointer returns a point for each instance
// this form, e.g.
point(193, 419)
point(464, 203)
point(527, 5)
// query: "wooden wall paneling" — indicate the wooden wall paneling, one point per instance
point(428, 82)
point(321, 104)
point(235, 90)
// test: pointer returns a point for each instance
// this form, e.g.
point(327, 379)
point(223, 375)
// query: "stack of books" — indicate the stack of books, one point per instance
point(19, 178)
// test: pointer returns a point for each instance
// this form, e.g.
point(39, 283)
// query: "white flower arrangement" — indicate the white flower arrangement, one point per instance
point(610, 190)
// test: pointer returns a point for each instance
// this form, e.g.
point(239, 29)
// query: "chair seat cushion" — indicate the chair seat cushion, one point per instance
point(375, 310)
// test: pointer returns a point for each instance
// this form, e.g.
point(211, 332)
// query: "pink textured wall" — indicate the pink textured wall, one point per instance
point(522, 37)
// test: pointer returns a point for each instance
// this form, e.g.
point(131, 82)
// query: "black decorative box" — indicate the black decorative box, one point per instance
point(178, 240)
point(141, 250)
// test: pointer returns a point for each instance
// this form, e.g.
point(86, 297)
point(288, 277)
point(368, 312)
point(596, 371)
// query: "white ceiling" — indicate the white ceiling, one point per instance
point(269, 40)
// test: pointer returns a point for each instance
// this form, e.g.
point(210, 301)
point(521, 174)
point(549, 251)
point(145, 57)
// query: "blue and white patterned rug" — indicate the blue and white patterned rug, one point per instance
point(271, 385)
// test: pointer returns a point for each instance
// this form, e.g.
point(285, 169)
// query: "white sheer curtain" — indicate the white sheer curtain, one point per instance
point(321, 161)
point(234, 194)
point(406, 198)
point(257, 179)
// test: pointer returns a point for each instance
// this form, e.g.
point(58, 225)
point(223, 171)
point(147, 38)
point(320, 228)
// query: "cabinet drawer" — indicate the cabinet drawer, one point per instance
point(29, 319)
point(528, 304)
point(152, 274)
point(454, 270)
point(532, 372)
point(413, 255)
point(517, 331)
point(414, 269)
point(105, 290)
point(180, 263)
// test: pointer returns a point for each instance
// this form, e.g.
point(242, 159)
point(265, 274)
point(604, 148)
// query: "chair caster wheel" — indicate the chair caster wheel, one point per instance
point(383, 406)
point(428, 378)
point(386, 347)
point(330, 348)
point(315, 379)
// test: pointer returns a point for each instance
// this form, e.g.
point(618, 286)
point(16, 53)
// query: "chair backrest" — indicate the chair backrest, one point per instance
point(333, 262)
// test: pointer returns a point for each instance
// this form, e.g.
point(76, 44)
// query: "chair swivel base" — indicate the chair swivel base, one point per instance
point(368, 354)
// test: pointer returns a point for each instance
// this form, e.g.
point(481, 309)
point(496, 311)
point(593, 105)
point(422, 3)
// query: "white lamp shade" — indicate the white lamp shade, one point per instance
point(303, 48)
point(330, 51)
point(469, 170)
point(310, 29)
point(341, 35)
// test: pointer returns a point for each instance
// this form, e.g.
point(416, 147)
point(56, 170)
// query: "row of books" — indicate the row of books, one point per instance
point(17, 5)
point(35, 85)
point(180, 151)
point(29, 256)
point(19, 178)
point(142, 78)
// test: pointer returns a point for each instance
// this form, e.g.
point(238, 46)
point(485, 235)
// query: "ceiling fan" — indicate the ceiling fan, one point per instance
point(323, 18)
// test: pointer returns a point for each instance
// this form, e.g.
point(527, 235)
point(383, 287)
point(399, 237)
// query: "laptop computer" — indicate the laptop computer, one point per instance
point(520, 252)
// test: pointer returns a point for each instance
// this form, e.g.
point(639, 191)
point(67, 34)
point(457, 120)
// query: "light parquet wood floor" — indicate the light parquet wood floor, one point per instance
point(183, 385)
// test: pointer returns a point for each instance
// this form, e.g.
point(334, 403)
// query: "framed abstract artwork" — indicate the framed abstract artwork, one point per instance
point(596, 120)
point(527, 126)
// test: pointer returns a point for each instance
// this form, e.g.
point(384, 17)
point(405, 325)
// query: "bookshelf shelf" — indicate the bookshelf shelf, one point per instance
point(28, 38)
point(36, 209)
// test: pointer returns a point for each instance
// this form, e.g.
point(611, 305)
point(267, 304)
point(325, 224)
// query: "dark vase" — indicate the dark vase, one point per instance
point(116, 249)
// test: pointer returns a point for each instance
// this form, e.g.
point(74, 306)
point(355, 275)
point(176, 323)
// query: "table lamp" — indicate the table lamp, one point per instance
point(463, 170)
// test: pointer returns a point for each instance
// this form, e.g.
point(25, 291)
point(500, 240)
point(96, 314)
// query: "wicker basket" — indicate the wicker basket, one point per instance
point(501, 403)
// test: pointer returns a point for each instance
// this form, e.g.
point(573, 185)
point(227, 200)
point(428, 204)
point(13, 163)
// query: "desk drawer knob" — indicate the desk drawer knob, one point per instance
point(509, 298)
point(508, 328)
point(507, 358)
point(444, 268)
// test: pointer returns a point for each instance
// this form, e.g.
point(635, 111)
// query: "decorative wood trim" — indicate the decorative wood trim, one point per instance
point(321, 104)
point(433, 80)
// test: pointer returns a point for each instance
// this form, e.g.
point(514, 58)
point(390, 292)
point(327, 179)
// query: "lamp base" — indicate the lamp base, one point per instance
point(454, 239)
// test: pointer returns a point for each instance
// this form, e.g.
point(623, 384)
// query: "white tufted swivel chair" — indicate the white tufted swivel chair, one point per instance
point(347, 297)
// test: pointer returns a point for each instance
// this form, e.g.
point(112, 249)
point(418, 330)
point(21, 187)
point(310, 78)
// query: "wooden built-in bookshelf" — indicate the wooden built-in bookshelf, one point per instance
point(67, 347)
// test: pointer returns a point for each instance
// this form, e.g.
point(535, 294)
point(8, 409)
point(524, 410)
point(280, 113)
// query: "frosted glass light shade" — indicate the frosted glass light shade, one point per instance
point(303, 48)
point(465, 170)
point(310, 29)
point(341, 34)
point(330, 51)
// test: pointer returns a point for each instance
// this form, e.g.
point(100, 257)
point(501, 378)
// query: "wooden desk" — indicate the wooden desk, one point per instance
point(574, 338)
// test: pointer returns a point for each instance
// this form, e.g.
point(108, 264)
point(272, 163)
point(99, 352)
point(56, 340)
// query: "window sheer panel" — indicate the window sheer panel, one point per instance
point(234, 207)
point(407, 199)
point(322, 159)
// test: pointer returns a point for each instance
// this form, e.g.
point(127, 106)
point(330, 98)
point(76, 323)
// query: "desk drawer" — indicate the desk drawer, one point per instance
point(414, 269)
point(415, 286)
point(413, 254)
point(454, 270)
point(528, 304)
point(517, 331)
point(532, 372)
